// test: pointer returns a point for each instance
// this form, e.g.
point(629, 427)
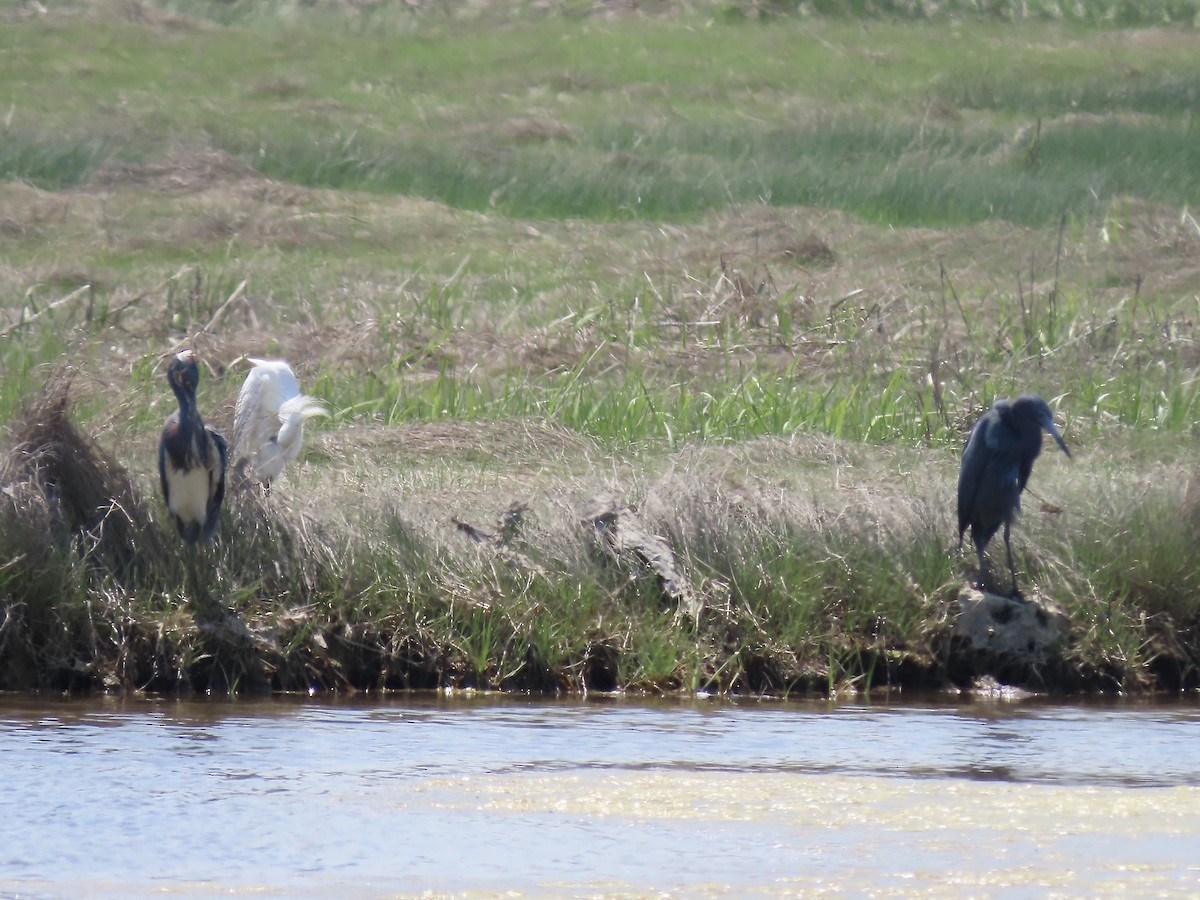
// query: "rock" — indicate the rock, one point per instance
point(1007, 632)
point(985, 687)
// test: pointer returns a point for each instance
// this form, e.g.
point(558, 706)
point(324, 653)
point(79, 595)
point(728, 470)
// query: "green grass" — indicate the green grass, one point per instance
point(892, 173)
point(861, 393)
point(900, 173)
point(664, 119)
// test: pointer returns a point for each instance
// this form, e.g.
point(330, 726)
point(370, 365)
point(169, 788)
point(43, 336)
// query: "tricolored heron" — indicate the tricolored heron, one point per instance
point(191, 457)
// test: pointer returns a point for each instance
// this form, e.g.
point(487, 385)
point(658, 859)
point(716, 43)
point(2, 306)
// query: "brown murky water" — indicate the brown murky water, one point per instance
point(531, 798)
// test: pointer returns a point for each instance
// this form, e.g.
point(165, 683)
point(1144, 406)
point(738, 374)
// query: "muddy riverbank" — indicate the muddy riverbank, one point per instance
point(734, 570)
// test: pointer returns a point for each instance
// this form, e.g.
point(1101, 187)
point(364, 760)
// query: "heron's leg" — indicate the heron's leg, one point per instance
point(191, 573)
point(979, 548)
point(1011, 567)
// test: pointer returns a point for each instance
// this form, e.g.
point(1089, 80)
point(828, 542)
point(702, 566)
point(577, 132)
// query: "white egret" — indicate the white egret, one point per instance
point(268, 420)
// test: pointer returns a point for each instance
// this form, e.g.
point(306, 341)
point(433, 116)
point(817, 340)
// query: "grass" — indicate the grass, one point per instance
point(750, 272)
point(906, 125)
point(903, 173)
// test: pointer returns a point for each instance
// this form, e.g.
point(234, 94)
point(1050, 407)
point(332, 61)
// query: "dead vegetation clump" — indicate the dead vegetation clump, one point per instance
point(83, 493)
point(29, 212)
point(69, 519)
point(523, 130)
point(182, 171)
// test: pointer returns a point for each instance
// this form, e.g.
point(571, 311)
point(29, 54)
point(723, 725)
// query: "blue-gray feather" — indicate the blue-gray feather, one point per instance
point(997, 461)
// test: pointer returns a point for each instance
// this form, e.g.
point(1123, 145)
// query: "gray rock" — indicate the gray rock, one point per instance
point(1010, 631)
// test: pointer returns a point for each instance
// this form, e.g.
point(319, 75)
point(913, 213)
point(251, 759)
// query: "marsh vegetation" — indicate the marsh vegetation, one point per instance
point(743, 273)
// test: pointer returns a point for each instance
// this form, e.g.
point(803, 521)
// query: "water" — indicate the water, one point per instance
point(118, 797)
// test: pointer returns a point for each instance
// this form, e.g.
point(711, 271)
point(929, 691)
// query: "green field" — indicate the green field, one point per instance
point(749, 269)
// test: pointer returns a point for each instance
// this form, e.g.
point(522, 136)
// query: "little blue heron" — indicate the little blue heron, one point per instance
point(268, 421)
point(996, 463)
point(191, 457)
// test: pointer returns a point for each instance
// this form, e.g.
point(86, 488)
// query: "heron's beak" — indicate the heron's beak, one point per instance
point(1053, 429)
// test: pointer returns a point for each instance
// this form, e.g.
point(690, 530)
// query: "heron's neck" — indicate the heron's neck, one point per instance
point(187, 406)
point(291, 430)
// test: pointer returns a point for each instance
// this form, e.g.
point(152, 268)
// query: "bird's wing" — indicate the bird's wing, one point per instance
point(256, 414)
point(1007, 467)
point(1004, 443)
point(974, 462)
point(1024, 470)
point(162, 460)
point(219, 459)
point(243, 413)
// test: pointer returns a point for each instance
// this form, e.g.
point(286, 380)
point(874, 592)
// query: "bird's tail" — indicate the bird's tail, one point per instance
point(299, 408)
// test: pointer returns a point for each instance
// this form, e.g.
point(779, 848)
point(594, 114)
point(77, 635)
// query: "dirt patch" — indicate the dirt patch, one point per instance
point(523, 130)
point(508, 441)
point(182, 171)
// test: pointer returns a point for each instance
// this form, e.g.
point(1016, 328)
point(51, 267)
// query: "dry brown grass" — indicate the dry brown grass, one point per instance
point(81, 493)
point(182, 170)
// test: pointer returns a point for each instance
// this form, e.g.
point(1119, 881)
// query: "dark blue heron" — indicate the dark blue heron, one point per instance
point(996, 463)
point(191, 458)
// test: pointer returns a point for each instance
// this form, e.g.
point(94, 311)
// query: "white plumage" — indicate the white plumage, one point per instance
point(268, 421)
point(189, 492)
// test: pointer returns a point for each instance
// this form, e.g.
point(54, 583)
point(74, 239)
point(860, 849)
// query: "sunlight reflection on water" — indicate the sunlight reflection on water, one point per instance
point(544, 798)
